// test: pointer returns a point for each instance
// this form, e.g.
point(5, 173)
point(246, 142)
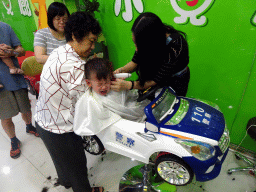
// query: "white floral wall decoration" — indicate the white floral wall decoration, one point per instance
point(8, 6)
point(24, 7)
point(128, 14)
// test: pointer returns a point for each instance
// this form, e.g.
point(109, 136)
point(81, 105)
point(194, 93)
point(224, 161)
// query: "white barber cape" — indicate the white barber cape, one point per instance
point(94, 113)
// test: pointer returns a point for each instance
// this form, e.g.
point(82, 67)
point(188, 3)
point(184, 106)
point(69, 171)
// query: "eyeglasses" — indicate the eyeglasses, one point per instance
point(59, 19)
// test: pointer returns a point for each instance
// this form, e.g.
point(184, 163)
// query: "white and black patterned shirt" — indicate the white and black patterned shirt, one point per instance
point(62, 83)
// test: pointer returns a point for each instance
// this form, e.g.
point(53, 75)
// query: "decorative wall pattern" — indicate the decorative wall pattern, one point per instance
point(195, 16)
point(128, 14)
point(8, 6)
point(24, 7)
point(253, 19)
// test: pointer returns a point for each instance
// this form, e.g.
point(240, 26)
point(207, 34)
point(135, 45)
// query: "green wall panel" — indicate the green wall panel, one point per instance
point(222, 52)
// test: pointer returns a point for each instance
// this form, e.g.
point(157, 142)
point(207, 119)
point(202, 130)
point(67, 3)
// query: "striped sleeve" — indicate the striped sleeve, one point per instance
point(40, 39)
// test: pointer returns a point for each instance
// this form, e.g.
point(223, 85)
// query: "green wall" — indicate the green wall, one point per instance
point(222, 52)
point(23, 25)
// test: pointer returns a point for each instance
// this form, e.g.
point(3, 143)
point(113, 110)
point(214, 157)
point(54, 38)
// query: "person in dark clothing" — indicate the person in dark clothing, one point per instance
point(161, 57)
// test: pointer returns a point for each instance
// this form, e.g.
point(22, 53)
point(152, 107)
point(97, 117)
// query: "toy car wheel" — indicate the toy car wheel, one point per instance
point(93, 145)
point(173, 170)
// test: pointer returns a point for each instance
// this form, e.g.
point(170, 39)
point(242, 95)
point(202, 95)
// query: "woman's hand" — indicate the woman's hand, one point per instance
point(128, 68)
point(119, 70)
point(120, 84)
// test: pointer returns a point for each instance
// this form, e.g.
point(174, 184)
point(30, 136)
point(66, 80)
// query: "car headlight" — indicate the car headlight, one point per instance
point(199, 150)
point(226, 131)
point(224, 140)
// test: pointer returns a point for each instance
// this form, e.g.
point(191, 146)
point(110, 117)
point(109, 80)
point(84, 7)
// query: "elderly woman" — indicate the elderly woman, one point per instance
point(62, 83)
point(50, 38)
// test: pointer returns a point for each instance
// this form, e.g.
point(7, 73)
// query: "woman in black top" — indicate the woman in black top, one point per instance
point(161, 57)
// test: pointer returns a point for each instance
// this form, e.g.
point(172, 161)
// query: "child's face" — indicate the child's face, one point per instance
point(101, 87)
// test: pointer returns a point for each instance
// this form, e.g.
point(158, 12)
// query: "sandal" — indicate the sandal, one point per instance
point(33, 133)
point(30, 129)
point(97, 189)
point(15, 150)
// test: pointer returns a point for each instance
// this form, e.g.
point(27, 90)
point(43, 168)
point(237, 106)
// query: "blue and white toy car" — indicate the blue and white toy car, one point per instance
point(189, 136)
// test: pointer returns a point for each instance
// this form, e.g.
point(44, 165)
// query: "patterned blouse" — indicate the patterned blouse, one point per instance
point(62, 83)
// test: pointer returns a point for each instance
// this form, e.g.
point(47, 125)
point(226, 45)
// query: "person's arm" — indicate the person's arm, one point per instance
point(40, 46)
point(128, 68)
point(20, 51)
point(8, 51)
point(120, 84)
point(40, 54)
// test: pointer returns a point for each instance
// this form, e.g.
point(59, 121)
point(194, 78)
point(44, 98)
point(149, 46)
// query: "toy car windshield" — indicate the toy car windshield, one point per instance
point(164, 105)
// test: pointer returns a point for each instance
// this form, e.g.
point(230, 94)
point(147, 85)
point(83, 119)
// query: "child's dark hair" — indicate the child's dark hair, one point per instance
point(101, 67)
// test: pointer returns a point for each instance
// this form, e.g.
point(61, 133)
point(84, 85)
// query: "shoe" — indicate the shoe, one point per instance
point(15, 150)
point(32, 130)
point(97, 189)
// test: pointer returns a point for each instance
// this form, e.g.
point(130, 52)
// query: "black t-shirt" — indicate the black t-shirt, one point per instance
point(176, 59)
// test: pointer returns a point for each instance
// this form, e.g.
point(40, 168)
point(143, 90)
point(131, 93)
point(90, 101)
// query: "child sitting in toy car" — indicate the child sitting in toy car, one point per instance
point(99, 107)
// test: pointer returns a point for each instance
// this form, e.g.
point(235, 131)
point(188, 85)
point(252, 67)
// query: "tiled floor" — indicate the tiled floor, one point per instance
point(31, 172)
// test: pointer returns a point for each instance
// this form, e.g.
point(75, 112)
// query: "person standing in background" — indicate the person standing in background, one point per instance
point(50, 38)
point(13, 93)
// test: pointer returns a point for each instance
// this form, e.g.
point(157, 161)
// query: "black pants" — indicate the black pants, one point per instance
point(69, 158)
point(180, 83)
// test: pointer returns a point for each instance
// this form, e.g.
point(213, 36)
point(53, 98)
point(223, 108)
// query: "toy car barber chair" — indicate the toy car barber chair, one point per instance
point(32, 71)
point(251, 130)
point(181, 138)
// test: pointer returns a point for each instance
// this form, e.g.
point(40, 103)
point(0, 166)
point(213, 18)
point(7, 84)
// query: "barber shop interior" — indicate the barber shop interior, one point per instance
point(127, 96)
